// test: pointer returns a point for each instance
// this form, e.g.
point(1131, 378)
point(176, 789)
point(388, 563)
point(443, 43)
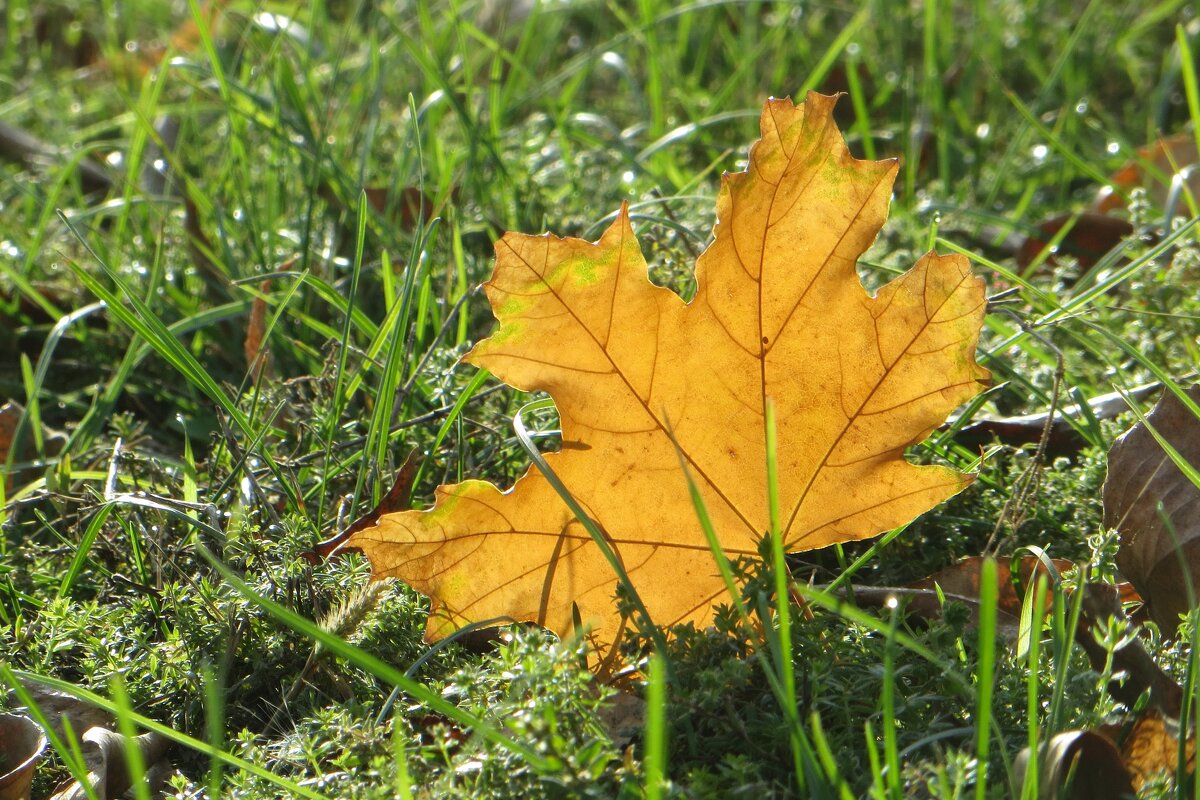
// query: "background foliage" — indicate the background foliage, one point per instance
point(345, 166)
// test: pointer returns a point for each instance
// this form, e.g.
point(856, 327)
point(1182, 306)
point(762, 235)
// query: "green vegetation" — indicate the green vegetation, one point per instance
point(342, 178)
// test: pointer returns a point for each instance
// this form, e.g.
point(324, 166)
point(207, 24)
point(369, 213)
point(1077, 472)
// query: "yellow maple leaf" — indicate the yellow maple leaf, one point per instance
point(779, 313)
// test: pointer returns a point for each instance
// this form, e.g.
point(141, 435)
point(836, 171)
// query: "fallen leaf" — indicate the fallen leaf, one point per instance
point(1151, 746)
point(1063, 438)
point(1154, 168)
point(10, 418)
point(1085, 762)
point(395, 500)
point(258, 357)
point(1159, 552)
point(960, 583)
point(1089, 237)
point(21, 745)
point(779, 315)
point(104, 754)
point(1135, 672)
point(621, 716)
point(59, 708)
point(1115, 761)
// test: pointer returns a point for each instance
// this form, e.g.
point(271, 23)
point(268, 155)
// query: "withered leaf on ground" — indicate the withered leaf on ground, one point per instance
point(22, 744)
point(1088, 238)
point(1063, 437)
point(1115, 761)
point(960, 583)
point(1156, 509)
point(1134, 671)
point(258, 356)
point(1086, 764)
point(779, 315)
point(1150, 745)
point(1154, 168)
point(104, 753)
point(961, 580)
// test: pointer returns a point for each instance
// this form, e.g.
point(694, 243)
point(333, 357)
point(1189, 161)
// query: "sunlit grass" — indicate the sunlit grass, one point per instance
point(362, 157)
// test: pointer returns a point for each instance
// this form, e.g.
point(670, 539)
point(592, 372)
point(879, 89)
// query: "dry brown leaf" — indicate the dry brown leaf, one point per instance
point(59, 707)
point(1090, 236)
point(1085, 763)
point(1063, 438)
point(395, 500)
point(960, 583)
point(1115, 761)
point(104, 753)
point(21, 745)
point(779, 314)
point(1152, 746)
point(1153, 169)
point(621, 716)
point(258, 357)
point(963, 578)
point(1159, 554)
point(1134, 671)
point(10, 418)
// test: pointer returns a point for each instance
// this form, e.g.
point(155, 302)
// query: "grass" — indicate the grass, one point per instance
point(342, 178)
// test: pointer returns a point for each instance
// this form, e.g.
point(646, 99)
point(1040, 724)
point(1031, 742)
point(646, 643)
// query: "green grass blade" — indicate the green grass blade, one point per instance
point(988, 610)
point(655, 762)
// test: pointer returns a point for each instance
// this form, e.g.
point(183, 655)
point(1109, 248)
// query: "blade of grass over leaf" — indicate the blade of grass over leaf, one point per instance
point(656, 727)
point(1035, 597)
point(768, 659)
point(598, 537)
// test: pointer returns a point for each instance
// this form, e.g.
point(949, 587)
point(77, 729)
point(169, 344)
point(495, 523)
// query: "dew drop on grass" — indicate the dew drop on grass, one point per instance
point(1039, 152)
point(1113, 148)
point(983, 131)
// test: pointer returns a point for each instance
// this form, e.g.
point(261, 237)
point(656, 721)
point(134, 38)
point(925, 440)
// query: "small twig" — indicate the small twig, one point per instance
point(666, 207)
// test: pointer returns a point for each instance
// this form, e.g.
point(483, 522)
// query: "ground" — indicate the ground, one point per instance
point(327, 179)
